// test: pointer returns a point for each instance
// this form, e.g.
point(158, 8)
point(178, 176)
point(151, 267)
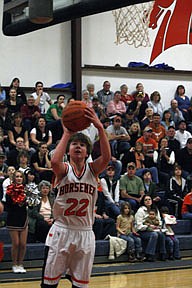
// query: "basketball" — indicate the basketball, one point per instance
point(73, 116)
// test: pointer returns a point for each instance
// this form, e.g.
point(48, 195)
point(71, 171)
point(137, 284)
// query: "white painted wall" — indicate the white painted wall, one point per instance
point(41, 55)
point(46, 55)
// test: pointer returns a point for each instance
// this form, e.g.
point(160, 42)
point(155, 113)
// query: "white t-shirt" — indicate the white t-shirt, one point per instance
point(44, 98)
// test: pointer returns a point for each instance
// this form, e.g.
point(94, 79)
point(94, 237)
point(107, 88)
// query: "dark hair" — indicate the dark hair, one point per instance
point(22, 153)
point(142, 203)
point(178, 87)
point(83, 139)
point(123, 205)
point(37, 83)
point(14, 79)
point(154, 94)
point(163, 118)
point(60, 96)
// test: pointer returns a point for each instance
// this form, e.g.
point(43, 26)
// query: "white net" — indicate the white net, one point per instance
point(132, 23)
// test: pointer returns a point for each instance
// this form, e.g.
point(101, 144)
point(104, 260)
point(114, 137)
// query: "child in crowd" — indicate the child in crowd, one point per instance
point(126, 231)
point(171, 240)
point(152, 221)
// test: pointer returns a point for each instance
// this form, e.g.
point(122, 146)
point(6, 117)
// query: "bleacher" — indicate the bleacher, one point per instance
point(35, 251)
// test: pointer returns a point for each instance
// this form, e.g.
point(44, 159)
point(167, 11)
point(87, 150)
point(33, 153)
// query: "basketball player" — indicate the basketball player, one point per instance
point(70, 244)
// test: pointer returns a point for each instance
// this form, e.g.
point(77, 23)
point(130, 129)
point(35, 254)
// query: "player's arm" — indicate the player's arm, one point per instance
point(59, 168)
point(101, 162)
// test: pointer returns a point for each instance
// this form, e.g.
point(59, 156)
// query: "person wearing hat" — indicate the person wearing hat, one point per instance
point(182, 134)
point(119, 137)
point(131, 187)
point(149, 146)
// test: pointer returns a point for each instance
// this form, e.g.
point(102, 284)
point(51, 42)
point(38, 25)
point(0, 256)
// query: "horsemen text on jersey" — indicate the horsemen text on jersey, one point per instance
point(77, 187)
point(75, 202)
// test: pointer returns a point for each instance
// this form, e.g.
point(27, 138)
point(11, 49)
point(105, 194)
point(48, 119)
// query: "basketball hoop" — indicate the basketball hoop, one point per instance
point(132, 23)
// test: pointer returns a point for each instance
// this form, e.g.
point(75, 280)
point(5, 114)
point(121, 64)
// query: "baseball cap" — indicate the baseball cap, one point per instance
point(147, 129)
point(2, 154)
point(131, 164)
point(117, 117)
point(110, 167)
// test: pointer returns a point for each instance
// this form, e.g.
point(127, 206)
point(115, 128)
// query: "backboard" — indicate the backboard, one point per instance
point(16, 13)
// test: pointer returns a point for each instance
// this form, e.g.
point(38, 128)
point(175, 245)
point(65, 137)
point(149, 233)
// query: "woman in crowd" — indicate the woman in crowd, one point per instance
point(155, 103)
point(184, 103)
point(41, 162)
point(15, 83)
point(166, 120)
point(40, 216)
point(40, 134)
point(86, 99)
point(55, 110)
point(151, 238)
point(177, 191)
point(134, 133)
point(16, 131)
point(125, 97)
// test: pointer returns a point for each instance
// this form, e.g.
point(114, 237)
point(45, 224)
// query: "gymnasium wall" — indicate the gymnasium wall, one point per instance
point(46, 55)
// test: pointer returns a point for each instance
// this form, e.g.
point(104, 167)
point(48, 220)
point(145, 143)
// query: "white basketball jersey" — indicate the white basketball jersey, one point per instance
point(75, 202)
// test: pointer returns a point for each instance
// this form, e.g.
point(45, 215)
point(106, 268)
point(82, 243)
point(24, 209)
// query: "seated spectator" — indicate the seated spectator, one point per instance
point(152, 239)
point(110, 189)
point(30, 113)
point(172, 242)
point(138, 106)
point(182, 135)
point(10, 172)
point(116, 106)
point(176, 114)
point(184, 103)
point(148, 118)
point(13, 105)
point(12, 154)
point(15, 83)
point(140, 89)
point(3, 111)
point(186, 210)
point(105, 95)
point(41, 97)
point(149, 146)
point(155, 103)
point(2, 94)
point(164, 159)
point(150, 187)
point(126, 230)
point(131, 187)
point(103, 225)
point(158, 131)
point(91, 89)
point(3, 171)
point(134, 133)
point(129, 119)
point(184, 158)
point(98, 109)
point(177, 191)
point(119, 137)
point(40, 134)
point(86, 99)
point(173, 143)
point(166, 120)
point(23, 160)
point(18, 130)
point(53, 118)
point(41, 162)
point(136, 155)
point(41, 216)
point(125, 97)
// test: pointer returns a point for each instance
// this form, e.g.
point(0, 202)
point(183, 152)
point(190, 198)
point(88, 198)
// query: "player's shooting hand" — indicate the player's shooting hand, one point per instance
point(90, 114)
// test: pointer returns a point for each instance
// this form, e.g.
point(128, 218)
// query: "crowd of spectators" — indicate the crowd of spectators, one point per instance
point(151, 150)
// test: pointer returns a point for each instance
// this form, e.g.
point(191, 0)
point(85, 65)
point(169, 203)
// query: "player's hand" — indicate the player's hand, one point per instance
point(90, 114)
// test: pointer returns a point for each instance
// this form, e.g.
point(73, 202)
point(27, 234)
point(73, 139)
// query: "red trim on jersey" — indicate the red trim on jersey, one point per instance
point(79, 281)
point(82, 172)
point(52, 279)
point(56, 183)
